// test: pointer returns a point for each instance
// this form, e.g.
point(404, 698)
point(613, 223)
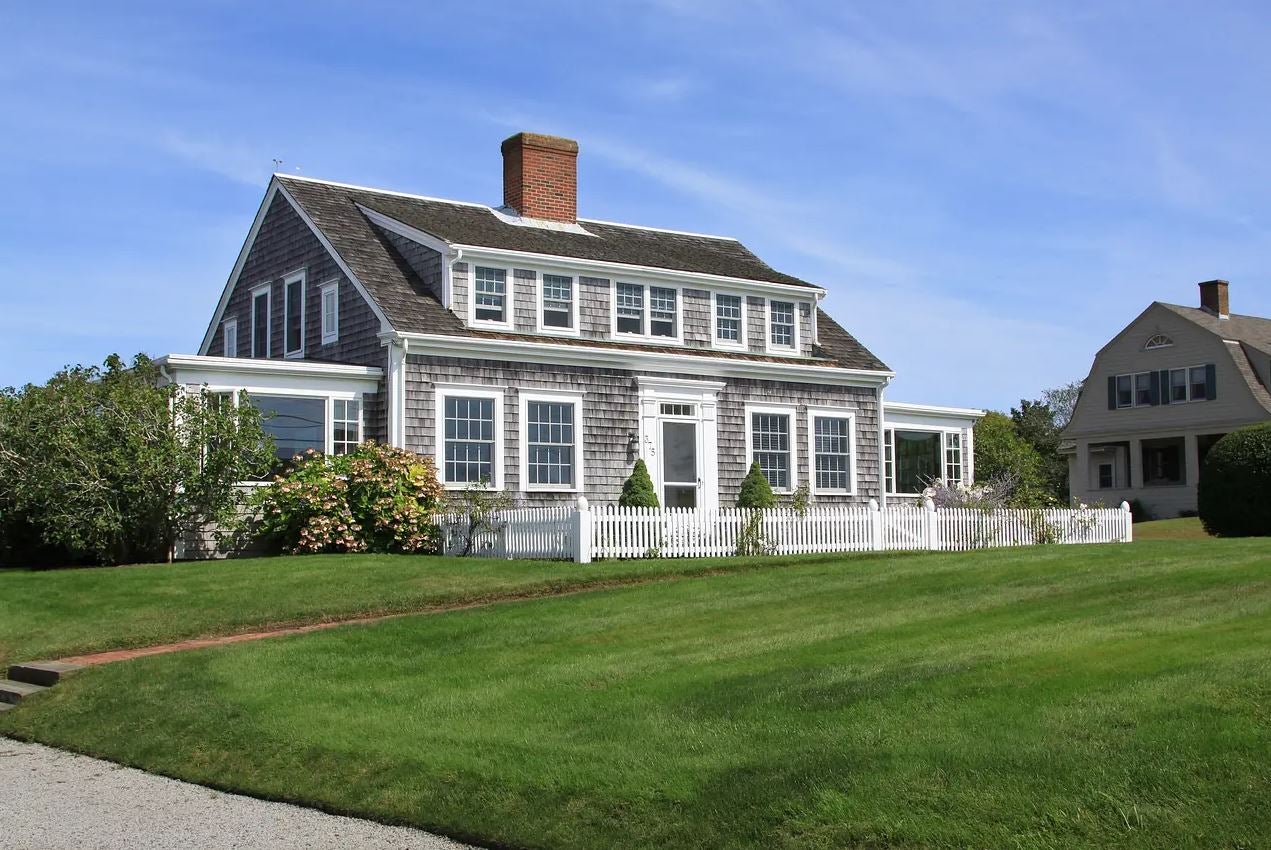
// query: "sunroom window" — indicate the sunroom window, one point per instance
point(346, 426)
point(296, 424)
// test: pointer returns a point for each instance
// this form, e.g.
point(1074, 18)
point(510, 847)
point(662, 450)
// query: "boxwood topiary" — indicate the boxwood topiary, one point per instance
point(1234, 493)
point(756, 492)
point(637, 490)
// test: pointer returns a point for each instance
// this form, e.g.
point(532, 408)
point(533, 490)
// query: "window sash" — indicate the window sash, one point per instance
point(558, 301)
point(293, 326)
point(630, 308)
point(550, 443)
point(330, 313)
point(831, 452)
point(260, 324)
point(770, 447)
point(953, 458)
point(889, 460)
point(469, 439)
point(489, 298)
point(728, 318)
point(1197, 383)
point(662, 311)
point(346, 425)
point(1178, 385)
point(781, 323)
point(1143, 389)
point(229, 339)
point(1125, 391)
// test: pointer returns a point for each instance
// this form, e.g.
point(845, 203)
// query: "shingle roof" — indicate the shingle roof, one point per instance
point(1254, 330)
point(411, 308)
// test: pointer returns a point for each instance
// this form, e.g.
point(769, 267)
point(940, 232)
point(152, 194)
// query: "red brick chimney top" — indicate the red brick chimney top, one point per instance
point(540, 176)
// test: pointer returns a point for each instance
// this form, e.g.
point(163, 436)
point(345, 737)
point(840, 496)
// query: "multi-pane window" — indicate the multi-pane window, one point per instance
point(469, 440)
point(346, 426)
point(889, 461)
point(770, 447)
point(662, 311)
point(678, 409)
point(728, 318)
point(489, 295)
point(1125, 390)
point(1106, 476)
point(1143, 389)
point(781, 324)
point(558, 301)
point(260, 323)
point(953, 458)
point(831, 452)
point(1177, 385)
point(229, 339)
point(330, 313)
point(549, 441)
point(1199, 383)
point(294, 316)
point(295, 424)
point(630, 304)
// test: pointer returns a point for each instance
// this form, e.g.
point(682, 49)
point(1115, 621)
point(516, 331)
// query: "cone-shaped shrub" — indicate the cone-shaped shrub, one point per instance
point(755, 490)
point(1234, 494)
point(637, 490)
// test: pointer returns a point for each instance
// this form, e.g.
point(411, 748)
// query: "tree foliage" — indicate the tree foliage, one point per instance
point(1234, 493)
point(756, 492)
point(638, 490)
point(1002, 454)
point(376, 498)
point(102, 465)
point(1063, 401)
point(1037, 424)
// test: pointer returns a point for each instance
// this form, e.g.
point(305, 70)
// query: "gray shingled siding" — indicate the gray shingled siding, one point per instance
point(424, 261)
point(611, 416)
point(733, 399)
point(283, 245)
point(696, 311)
point(524, 299)
point(459, 290)
point(805, 329)
point(755, 327)
point(593, 307)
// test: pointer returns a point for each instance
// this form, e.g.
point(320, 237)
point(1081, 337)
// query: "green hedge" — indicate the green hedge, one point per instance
point(1235, 484)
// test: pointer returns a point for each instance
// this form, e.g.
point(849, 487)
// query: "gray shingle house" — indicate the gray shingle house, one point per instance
point(544, 353)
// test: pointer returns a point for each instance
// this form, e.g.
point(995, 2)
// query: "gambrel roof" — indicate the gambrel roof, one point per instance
point(336, 211)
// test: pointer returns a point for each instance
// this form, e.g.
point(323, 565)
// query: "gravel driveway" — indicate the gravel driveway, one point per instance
point(52, 799)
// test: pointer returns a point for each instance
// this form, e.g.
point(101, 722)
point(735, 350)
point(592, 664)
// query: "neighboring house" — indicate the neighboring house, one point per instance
point(1160, 394)
point(530, 350)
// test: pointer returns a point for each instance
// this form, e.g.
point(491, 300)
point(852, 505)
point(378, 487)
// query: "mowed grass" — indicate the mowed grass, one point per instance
point(56, 613)
point(1182, 528)
point(1056, 697)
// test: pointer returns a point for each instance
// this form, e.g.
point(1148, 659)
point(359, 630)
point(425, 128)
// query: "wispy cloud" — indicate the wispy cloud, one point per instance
point(233, 160)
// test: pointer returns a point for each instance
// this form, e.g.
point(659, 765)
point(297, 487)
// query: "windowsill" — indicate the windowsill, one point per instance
point(460, 487)
point(550, 490)
point(833, 492)
point(330, 341)
point(490, 324)
point(619, 336)
point(294, 355)
point(784, 351)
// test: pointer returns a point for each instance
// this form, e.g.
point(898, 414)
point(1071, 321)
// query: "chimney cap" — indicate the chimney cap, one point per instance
point(538, 140)
point(1218, 281)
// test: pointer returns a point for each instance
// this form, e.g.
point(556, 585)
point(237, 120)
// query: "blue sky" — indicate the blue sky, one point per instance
point(989, 191)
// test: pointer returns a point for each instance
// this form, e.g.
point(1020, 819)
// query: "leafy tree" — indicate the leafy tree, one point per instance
point(106, 466)
point(1037, 424)
point(756, 492)
point(1234, 493)
point(637, 490)
point(1063, 401)
point(1001, 454)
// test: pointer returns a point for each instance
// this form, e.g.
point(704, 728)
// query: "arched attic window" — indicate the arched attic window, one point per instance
point(1158, 341)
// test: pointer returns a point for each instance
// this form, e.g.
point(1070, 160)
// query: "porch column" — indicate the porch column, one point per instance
point(1191, 461)
point(1136, 463)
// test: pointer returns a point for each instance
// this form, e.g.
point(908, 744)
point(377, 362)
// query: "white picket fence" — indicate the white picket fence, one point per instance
point(582, 532)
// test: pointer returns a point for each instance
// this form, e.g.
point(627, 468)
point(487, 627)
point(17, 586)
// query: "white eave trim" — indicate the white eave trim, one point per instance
point(199, 362)
point(932, 410)
point(414, 234)
point(626, 359)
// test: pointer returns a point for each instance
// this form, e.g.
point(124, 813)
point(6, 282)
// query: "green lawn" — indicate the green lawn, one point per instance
point(1057, 697)
point(1182, 528)
point(68, 612)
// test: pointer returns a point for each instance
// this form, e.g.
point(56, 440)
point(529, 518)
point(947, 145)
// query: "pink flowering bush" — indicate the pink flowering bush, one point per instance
point(375, 499)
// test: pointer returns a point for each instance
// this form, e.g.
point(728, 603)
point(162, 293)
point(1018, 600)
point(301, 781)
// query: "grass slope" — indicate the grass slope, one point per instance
point(70, 612)
point(1059, 697)
point(1182, 528)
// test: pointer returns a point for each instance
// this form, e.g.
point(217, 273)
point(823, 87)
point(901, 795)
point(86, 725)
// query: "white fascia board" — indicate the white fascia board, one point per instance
point(269, 374)
point(414, 234)
point(932, 410)
point(238, 265)
point(632, 272)
point(560, 354)
point(929, 417)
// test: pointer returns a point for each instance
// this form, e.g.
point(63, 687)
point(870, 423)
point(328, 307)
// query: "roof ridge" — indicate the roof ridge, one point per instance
point(1211, 315)
point(493, 210)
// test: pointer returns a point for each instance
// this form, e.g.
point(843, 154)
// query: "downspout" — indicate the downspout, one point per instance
point(397, 349)
point(882, 446)
point(447, 278)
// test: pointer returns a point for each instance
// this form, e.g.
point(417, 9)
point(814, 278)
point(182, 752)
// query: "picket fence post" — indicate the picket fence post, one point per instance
point(1128, 519)
point(581, 526)
point(933, 526)
point(875, 526)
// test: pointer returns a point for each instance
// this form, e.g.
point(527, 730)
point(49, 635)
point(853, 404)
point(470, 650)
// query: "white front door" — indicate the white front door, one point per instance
point(681, 473)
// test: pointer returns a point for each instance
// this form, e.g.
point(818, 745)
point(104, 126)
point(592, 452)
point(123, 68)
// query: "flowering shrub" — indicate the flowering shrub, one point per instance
point(1004, 490)
point(374, 499)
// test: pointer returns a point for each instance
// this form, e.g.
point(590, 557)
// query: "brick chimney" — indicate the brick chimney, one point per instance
point(1213, 298)
point(540, 176)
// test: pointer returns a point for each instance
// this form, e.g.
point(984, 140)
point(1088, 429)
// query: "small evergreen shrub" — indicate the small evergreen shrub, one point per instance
point(756, 492)
point(1234, 494)
point(374, 499)
point(637, 490)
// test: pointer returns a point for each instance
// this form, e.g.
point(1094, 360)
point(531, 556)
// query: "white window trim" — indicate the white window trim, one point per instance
point(1152, 344)
point(328, 397)
point(333, 335)
point(542, 327)
point(226, 327)
point(767, 327)
point(509, 297)
point(728, 344)
point(301, 277)
point(575, 399)
point(1188, 370)
point(832, 413)
point(361, 422)
point(441, 391)
point(783, 410)
point(267, 289)
point(944, 450)
point(678, 339)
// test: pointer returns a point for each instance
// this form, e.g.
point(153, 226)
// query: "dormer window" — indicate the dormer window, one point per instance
point(646, 311)
point(1158, 341)
point(489, 295)
point(559, 306)
point(781, 324)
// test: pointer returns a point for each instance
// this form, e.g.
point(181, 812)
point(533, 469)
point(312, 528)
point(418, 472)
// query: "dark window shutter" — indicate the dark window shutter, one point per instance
point(1163, 380)
point(1154, 389)
point(1112, 393)
point(1211, 382)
